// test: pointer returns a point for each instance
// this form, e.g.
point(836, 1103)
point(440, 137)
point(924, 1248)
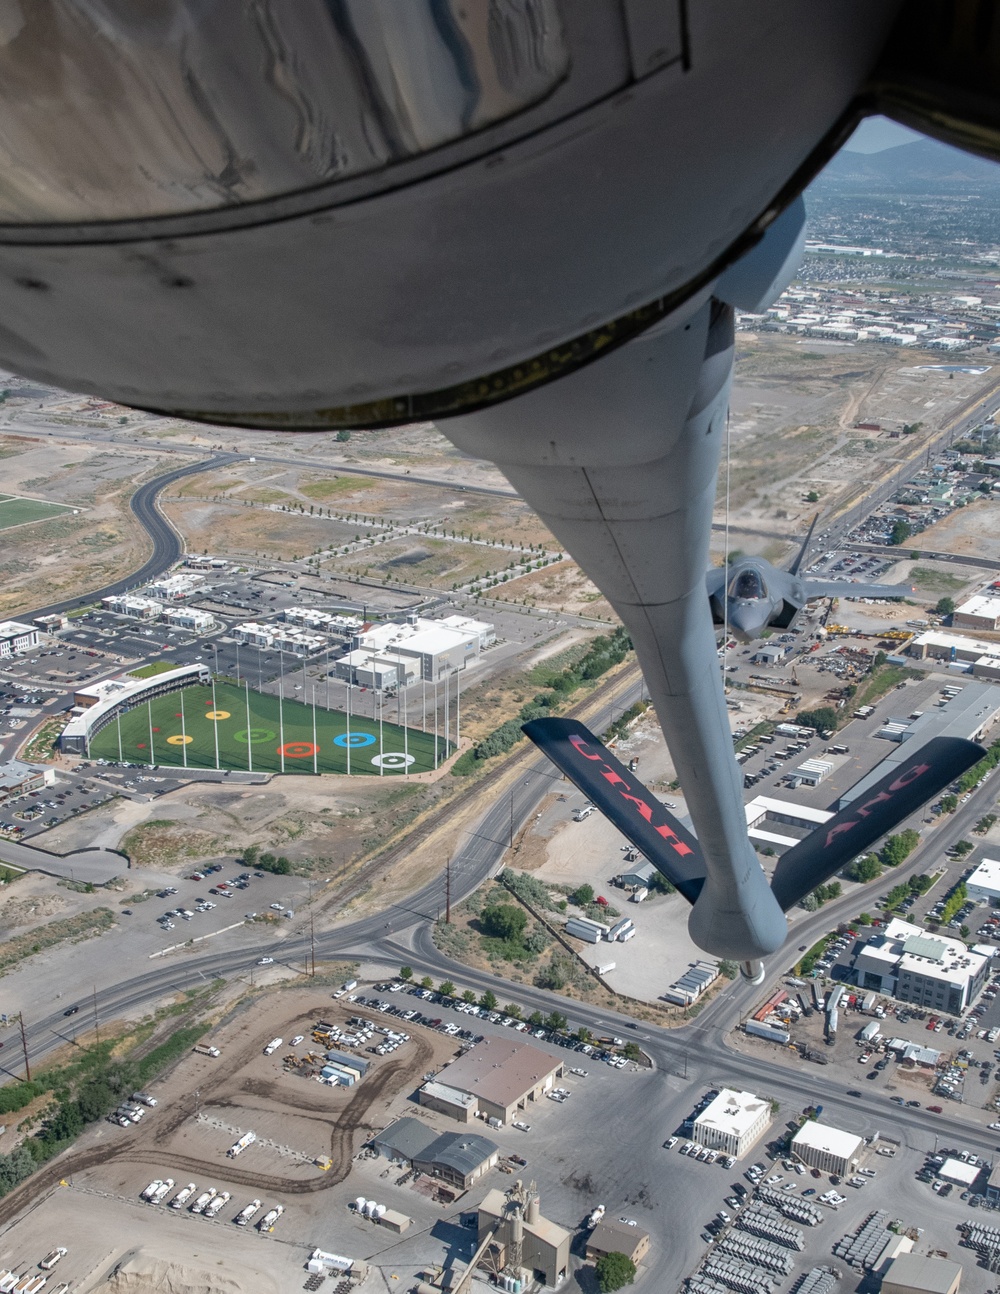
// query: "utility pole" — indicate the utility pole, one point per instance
point(24, 1047)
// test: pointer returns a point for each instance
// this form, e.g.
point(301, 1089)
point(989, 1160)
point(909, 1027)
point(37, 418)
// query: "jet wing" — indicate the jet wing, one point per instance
point(854, 829)
point(623, 800)
point(845, 589)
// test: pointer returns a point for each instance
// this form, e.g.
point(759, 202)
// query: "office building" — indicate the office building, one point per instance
point(733, 1123)
point(828, 1149)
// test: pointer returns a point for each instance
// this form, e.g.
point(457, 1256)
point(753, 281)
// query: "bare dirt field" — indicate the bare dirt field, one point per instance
point(308, 1135)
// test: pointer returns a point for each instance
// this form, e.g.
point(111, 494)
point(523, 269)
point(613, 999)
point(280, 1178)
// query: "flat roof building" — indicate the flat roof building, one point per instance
point(984, 883)
point(502, 1075)
point(733, 1123)
point(982, 612)
point(16, 637)
point(617, 1238)
point(913, 1274)
point(828, 1149)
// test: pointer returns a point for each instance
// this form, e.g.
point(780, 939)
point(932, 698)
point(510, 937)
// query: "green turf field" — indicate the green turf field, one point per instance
point(15, 512)
point(161, 732)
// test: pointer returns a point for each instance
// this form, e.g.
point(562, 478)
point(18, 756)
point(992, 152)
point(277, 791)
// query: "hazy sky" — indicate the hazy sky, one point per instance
point(877, 133)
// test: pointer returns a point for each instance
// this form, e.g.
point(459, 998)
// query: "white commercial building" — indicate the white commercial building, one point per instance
point(16, 637)
point(174, 587)
point(130, 604)
point(189, 618)
point(733, 1123)
point(931, 971)
point(828, 1149)
point(984, 883)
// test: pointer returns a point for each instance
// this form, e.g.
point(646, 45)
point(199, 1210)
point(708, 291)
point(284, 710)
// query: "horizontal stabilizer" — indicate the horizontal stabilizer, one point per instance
point(623, 799)
point(850, 832)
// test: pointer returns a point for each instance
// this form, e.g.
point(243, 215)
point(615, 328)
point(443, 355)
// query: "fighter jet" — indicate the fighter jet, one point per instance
point(750, 595)
point(528, 221)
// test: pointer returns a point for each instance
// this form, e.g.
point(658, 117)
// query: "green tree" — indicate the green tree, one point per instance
point(614, 1271)
point(728, 969)
point(406, 972)
point(447, 989)
point(582, 895)
point(863, 869)
point(503, 921)
point(489, 1000)
point(945, 606)
point(822, 719)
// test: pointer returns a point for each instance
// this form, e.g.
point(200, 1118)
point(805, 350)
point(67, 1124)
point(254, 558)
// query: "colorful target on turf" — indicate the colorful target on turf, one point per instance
point(216, 715)
point(395, 759)
point(251, 736)
point(354, 739)
point(298, 750)
point(178, 740)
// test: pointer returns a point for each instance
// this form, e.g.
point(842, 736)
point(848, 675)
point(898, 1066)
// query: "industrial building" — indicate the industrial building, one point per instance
point(16, 637)
point(828, 1149)
point(914, 1274)
point(97, 704)
point(513, 1236)
point(617, 1238)
point(18, 778)
point(500, 1076)
point(970, 712)
point(459, 1158)
point(981, 612)
point(984, 883)
point(931, 971)
point(733, 1123)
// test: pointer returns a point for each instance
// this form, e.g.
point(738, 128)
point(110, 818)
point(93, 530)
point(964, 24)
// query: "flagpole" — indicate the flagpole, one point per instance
point(249, 736)
point(215, 726)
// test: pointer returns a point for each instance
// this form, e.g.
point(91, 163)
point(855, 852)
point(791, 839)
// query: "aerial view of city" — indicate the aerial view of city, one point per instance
point(433, 624)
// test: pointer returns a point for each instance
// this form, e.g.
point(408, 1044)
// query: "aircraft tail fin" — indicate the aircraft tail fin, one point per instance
point(854, 829)
point(801, 556)
point(623, 799)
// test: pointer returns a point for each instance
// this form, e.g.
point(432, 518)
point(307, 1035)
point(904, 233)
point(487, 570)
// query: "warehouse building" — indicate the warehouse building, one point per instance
point(16, 637)
point(828, 1149)
point(984, 883)
point(458, 1158)
point(982, 612)
point(733, 1123)
point(502, 1076)
point(617, 1238)
point(914, 1274)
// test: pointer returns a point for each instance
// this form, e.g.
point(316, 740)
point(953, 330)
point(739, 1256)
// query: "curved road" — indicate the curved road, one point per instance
point(167, 543)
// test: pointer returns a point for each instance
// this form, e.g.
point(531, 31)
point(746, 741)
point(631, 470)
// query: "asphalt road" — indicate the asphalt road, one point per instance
point(168, 545)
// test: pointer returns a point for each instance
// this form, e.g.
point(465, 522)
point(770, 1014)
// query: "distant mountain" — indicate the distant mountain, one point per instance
point(923, 166)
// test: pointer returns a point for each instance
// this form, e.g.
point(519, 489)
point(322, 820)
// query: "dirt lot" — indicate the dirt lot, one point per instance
point(203, 1106)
